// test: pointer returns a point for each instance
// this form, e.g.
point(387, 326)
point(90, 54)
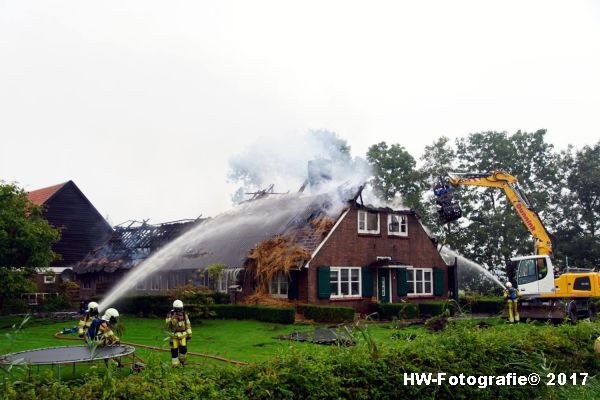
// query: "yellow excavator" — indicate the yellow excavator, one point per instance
point(546, 293)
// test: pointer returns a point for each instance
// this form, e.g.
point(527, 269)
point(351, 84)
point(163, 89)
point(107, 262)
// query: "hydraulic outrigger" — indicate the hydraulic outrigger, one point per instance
point(546, 293)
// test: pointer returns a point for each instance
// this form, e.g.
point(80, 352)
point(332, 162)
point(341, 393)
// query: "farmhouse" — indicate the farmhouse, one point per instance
point(82, 228)
point(323, 249)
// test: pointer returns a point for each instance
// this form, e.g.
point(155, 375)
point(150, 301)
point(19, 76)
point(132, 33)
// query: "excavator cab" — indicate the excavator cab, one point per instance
point(448, 209)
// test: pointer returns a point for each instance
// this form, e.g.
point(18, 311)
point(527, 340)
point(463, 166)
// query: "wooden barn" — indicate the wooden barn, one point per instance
point(81, 226)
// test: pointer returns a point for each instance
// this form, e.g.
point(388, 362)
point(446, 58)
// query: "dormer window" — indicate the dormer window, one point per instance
point(368, 222)
point(397, 225)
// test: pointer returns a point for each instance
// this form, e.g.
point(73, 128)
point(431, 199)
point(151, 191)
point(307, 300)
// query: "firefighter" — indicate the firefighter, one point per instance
point(100, 330)
point(90, 314)
point(512, 298)
point(180, 330)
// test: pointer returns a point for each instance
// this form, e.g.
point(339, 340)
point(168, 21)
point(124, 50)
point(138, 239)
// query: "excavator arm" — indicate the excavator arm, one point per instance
point(449, 210)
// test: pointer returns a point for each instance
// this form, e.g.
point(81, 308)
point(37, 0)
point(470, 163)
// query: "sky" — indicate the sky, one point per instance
point(143, 103)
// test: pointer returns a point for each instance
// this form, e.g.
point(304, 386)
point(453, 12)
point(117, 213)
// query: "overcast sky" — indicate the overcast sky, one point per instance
point(142, 103)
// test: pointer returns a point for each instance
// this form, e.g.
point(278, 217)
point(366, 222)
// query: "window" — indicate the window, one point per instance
point(279, 285)
point(141, 285)
point(527, 272)
point(87, 284)
point(222, 282)
point(345, 282)
point(368, 222)
point(420, 281)
point(397, 225)
point(155, 283)
point(49, 279)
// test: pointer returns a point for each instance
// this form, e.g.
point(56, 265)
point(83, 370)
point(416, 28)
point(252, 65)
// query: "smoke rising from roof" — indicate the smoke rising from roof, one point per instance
point(283, 161)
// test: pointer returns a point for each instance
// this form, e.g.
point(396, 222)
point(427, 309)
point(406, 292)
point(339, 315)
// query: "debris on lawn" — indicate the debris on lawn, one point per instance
point(327, 336)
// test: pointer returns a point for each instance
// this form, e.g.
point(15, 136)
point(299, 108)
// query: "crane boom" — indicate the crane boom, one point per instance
point(522, 205)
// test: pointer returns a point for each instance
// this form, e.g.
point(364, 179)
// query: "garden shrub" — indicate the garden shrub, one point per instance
point(14, 306)
point(389, 311)
point(55, 303)
point(281, 315)
point(487, 305)
point(326, 313)
point(435, 307)
point(159, 305)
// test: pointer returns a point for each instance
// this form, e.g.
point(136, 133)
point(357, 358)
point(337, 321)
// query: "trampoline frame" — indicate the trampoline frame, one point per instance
point(129, 351)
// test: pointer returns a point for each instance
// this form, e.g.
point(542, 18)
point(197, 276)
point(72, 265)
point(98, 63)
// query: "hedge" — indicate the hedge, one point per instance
point(326, 313)
point(280, 315)
point(435, 307)
point(397, 310)
point(161, 304)
point(488, 305)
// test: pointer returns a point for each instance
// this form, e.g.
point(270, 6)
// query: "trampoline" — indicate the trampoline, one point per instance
point(66, 355)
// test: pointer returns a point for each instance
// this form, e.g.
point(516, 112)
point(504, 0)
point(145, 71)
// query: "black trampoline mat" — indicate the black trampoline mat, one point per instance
point(65, 355)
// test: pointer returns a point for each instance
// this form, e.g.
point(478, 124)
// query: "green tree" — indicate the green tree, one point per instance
point(437, 160)
point(394, 172)
point(26, 240)
point(578, 231)
point(491, 232)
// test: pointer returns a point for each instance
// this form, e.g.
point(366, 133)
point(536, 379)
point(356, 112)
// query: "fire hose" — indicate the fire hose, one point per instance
point(58, 335)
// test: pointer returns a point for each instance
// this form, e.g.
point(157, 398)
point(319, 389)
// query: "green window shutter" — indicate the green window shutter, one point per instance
point(401, 282)
point(293, 285)
point(323, 284)
point(438, 281)
point(367, 282)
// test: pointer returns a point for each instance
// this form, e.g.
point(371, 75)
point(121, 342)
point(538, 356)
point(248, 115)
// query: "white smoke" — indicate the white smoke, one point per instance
point(283, 162)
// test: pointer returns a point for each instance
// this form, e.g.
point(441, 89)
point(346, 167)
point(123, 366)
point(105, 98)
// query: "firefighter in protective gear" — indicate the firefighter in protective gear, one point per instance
point(86, 321)
point(180, 329)
point(512, 298)
point(101, 328)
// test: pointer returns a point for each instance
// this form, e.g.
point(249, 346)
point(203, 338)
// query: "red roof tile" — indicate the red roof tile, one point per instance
point(40, 196)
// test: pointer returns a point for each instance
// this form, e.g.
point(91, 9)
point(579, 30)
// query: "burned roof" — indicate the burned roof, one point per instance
point(228, 238)
point(131, 243)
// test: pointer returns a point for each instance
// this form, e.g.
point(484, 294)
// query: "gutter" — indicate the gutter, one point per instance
point(312, 256)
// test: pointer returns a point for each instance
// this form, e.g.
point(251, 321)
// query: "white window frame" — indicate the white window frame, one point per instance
point(281, 281)
point(421, 282)
point(402, 222)
point(365, 230)
point(338, 294)
point(221, 283)
point(48, 279)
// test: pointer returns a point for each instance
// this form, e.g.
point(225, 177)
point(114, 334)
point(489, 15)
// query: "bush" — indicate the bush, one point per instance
point(326, 313)
point(397, 310)
point(437, 307)
point(488, 305)
point(280, 315)
point(55, 303)
point(14, 306)
point(159, 305)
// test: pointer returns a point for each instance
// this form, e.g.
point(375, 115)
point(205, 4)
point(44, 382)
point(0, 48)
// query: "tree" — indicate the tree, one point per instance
point(437, 160)
point(394, 173)
point(491, 232)
point(579, 231)
point(26, 240)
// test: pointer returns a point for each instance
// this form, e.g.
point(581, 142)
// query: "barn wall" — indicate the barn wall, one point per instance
point(82, 227)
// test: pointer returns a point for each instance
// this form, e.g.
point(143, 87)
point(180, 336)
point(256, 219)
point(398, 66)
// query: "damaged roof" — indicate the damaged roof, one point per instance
point(131, 244)
point(228, 238)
